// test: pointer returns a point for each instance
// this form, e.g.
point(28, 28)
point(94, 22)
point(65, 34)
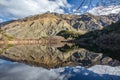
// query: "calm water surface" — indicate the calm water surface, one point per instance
point(56, 62)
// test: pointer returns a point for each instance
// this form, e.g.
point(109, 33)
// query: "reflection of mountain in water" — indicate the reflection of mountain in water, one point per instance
point(50, 57)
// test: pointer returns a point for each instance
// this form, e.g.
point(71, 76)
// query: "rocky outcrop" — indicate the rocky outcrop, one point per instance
point(49, 24)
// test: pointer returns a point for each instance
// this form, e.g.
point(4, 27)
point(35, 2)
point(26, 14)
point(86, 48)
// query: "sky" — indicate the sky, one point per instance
point(14, 9)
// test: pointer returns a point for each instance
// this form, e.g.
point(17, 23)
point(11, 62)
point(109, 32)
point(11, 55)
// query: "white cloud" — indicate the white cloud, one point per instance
point(85, 7)
point(23, 8)
point(101, 10)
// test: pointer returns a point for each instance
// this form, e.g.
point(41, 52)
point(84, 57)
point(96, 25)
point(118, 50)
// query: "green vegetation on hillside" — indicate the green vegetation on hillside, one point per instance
point(68, 34)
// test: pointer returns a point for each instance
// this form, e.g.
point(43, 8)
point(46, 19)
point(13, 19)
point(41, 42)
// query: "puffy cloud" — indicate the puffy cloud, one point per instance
point(101, 10)
point(23, 8)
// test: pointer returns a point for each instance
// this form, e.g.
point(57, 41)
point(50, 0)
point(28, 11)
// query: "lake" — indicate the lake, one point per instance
point(57, 62)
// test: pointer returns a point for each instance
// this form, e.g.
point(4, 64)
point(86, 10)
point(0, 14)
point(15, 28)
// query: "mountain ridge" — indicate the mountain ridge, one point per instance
point(49, 24)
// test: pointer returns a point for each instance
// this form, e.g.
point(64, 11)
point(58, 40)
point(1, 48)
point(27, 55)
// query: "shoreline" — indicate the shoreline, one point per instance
point(49, 40)
point(21, 42)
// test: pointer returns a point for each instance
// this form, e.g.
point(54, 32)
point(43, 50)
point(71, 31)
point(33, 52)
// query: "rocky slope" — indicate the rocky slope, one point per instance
point(4, 36)
point(49, 24)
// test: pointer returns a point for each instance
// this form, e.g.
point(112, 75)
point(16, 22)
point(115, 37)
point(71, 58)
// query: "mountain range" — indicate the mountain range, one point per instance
point(50, 24)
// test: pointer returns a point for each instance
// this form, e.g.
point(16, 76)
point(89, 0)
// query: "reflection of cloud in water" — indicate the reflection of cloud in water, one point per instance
point(17, 71)
point(4, 62)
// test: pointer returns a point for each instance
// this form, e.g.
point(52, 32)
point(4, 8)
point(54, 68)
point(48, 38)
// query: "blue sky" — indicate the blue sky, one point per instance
point(14, 9)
